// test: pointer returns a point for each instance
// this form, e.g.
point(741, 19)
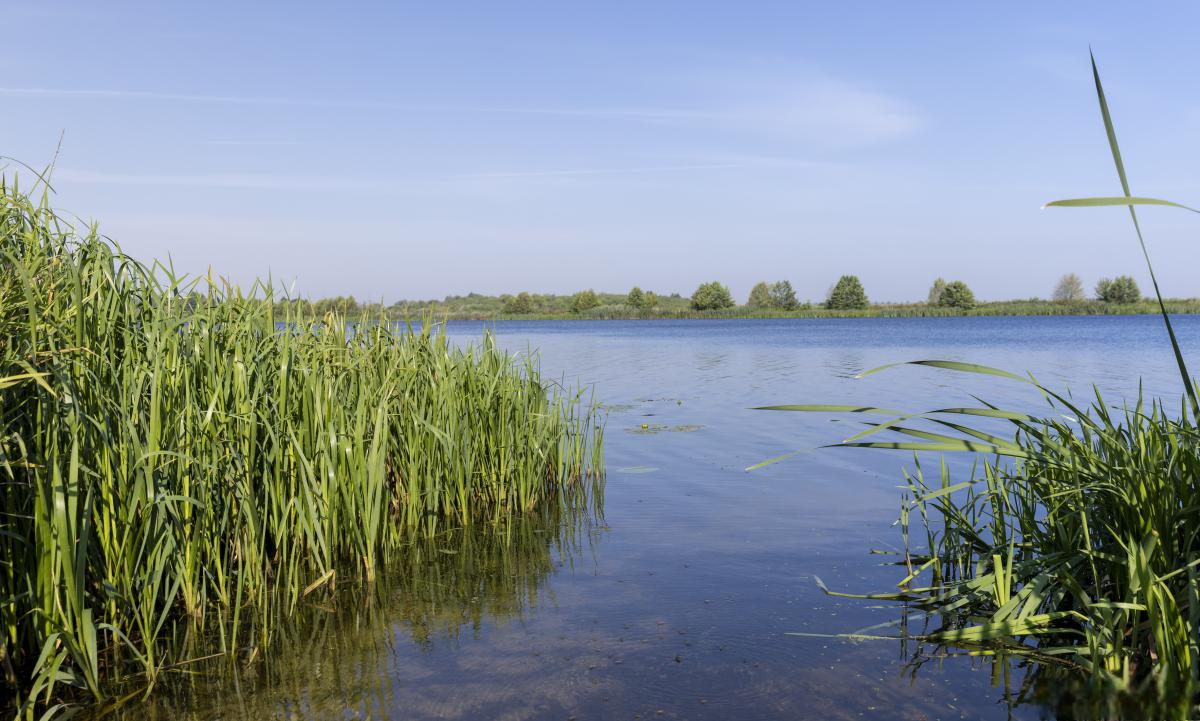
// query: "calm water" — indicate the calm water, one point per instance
point(678, 601)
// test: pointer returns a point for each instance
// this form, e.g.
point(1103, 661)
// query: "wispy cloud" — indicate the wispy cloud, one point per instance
point(627, 171)
point(252, 142)
point(249, 181)
point(338, 103)
point(805, 107)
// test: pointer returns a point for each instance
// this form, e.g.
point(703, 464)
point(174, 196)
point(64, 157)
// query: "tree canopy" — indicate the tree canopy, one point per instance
point(1069, 289)
point(1122, 289)
point(584, 300)
point(957, 294)
point(783, 296)
point(935, 292)
point(760, 296)
point(519, 305)
point(711, 296)
point(847, 294)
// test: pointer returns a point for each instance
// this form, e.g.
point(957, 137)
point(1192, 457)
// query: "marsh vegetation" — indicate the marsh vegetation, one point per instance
point(1075, 544)
point(176, 459)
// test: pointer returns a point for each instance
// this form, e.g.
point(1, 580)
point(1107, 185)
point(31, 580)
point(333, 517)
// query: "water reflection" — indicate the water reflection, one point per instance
point(342, 654)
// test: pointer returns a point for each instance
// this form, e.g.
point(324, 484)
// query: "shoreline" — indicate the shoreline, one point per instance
point(999, 309)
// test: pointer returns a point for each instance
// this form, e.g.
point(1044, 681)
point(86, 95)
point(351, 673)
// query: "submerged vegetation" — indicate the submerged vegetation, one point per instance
point(177, 459)
point(1075, 545)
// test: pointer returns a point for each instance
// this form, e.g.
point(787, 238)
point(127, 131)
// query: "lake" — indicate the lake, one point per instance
point(677, 598)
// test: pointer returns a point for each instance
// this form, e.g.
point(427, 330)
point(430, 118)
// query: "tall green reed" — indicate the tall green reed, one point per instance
point(336, 653)
point(1076, 543)
point(174, 453)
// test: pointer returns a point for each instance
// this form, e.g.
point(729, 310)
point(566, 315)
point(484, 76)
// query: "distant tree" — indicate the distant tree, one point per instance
point(1069, 289)
point(956, 294)
point(520, 305)
point(649, 300)
point(760, 296)
point(847, 294)
point(636, 298)
point(935, 292)
point(584, 300)
point(711, 296)
point(783, 296)
point(1122, 289)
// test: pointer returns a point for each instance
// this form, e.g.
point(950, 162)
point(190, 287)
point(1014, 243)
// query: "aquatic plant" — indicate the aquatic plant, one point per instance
point(338, 648)
point(175, 455)
point(1077, 541)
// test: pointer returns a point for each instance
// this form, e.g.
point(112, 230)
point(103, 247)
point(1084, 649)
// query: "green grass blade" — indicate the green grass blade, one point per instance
point(951, 365)
point(1111, 201)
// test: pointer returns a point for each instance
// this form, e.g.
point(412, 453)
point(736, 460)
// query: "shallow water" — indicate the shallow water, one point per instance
point(678, 601)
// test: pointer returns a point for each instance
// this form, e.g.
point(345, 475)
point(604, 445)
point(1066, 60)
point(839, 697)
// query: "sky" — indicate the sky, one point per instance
point(416, 150)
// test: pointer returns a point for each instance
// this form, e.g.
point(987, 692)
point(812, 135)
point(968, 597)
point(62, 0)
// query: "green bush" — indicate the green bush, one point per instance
point(636, 298)
point(957, 295)
point(783, 296)
point(760, 296)
point(711, 296)
point(935, 292)
point(848, 294)
point(520, 305)
point(1122, 289)
point(584, 300)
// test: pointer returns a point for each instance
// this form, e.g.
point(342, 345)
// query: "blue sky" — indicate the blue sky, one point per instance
point(415, 150)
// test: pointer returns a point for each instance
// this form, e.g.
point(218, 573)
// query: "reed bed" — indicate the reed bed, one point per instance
point(173, 454)
point(1074, 546)
point(337, 654)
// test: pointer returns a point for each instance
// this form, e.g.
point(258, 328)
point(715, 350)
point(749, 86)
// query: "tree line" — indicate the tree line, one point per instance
point(847, 293)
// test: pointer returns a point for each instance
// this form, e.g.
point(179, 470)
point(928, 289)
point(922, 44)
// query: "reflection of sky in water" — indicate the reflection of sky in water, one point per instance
point(682, 604)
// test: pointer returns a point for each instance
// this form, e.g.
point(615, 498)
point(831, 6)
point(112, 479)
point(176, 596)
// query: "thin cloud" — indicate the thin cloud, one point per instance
point(377, 185)
point(239, 143)
point(812, 109)
point(627, 171)
point(334, 103)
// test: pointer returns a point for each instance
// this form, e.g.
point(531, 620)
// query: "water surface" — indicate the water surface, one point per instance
point(678, 602)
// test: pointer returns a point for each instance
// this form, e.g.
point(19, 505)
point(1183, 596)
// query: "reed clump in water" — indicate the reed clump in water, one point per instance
point(173, 453)
point(1077, 545)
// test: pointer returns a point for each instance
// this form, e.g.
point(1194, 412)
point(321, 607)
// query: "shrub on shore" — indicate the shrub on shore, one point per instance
point(958, 295)
point(847, 294)
point(1123, 289)
point(711, 296)
point(1069, 289)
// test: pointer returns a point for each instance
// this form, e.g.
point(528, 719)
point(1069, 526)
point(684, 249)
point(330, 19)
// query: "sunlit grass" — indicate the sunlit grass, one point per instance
point(174, 454)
